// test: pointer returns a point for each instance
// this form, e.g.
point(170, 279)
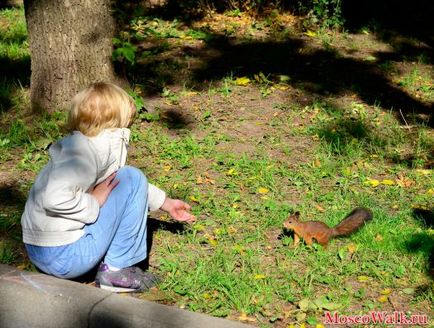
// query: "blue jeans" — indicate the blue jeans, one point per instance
point(117, 237)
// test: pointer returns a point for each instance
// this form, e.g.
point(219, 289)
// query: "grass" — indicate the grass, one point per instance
point(246, 149)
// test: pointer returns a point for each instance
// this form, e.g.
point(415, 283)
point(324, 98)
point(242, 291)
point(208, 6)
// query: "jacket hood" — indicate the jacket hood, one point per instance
point(111, 147)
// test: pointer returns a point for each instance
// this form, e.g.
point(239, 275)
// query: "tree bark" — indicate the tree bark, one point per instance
point(70, 47)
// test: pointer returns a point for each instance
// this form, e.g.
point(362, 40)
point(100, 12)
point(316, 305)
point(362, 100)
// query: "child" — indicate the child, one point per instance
point(85, 207)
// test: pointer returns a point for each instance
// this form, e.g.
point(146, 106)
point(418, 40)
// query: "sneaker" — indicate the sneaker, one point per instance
point(126, 280)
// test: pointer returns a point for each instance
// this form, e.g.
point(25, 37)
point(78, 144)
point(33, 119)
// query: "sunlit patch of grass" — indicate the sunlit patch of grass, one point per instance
point(418, 83)
point(13, 35)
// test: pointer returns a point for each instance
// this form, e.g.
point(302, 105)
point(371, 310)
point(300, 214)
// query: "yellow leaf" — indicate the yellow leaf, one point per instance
point(425, 172)
point(231, 172)
point(362, 278)
point(319, 325)
point(430, 192)
point(291, 326)
point(243, 81)
point(282, 87)
point(22, 266)
point(185, 37)
point(352, 248)
point(372, 183)
point(167, 168)
point(243, 317)
point(386, 291)
point(194, 199)
point(259, 276)
point(419, 207)
point(263, 191)
point(190, 93)
point(383, 299)
point(212, 242)
point(310, 33)
point(388, 182)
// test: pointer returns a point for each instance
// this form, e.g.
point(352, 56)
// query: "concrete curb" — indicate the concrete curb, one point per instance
point(29, 299)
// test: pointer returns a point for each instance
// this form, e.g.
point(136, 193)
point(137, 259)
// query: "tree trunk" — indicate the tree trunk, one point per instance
point(70, 47)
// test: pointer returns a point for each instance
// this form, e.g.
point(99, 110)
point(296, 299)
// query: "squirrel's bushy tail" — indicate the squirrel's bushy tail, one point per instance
point(352, 222)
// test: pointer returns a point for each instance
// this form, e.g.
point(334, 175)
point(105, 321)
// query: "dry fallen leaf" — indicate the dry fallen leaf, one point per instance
point(352, 248)
point(231, 172)
point(383, 299)
point(243, 81)
point(386, 291)
point(259, 276)
point(263, 191)
point(404, 182)
point(425, 172)
point(244, 317)
point(310, 34)
point(372, 183)
point(362, 278)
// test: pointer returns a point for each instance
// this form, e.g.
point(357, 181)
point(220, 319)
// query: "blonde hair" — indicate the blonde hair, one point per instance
point(100, 106)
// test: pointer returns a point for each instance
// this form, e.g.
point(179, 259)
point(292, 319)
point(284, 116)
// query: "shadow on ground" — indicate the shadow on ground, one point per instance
point(319, 72)
point(424, 241)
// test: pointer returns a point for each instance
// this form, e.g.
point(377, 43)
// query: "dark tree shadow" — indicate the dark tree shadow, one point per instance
point(425, 216)
point(12, 201)
point(322, 72)
point(11, 195)
point(424, 242)
point(397, 22)
point(153, 226)
point(318, 71)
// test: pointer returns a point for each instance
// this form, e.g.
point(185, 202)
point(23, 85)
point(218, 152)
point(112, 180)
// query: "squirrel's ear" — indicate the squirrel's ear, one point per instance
point(297, 214)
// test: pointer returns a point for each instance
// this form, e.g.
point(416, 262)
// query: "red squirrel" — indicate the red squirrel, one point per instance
point(321, 232)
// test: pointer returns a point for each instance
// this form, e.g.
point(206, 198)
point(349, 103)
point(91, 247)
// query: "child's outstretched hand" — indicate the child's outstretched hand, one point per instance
point(178, 210)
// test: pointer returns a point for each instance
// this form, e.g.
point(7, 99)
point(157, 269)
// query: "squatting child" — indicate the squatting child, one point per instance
point(86, 208)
